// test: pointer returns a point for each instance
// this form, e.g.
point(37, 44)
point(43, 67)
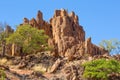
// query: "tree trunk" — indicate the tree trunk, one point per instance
point(21, 52)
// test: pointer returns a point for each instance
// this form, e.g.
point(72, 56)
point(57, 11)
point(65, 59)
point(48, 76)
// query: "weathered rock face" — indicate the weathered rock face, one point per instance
point(66, 31)
point(39, 19)
point(8, 29)
point(89, 48)
point(26, 21)
point(39, 23)
point(67, 37)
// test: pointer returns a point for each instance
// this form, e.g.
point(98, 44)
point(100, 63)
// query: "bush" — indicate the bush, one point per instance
point(29, 39)
point(2, 75)
point(99, 69)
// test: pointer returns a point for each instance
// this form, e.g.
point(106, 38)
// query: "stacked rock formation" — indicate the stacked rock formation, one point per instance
point(39, 23)
point(66, 31)
point(67, 37)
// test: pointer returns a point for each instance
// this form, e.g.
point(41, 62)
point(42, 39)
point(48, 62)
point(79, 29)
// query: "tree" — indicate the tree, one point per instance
point(100, 69)
point(29, 39)
point(113, 46)
point(2, 37)
point(2, 74)
point(5, 31)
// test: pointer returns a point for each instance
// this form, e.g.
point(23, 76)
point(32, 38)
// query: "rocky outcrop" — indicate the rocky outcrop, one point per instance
point(117, 57)
point(67, 36)
point(8, 30)
point(26, 21)
point(39, 23)
point(66, 31)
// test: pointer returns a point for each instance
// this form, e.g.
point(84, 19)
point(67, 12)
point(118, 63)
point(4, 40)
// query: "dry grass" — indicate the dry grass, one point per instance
point(4, 61)
point(39, 68)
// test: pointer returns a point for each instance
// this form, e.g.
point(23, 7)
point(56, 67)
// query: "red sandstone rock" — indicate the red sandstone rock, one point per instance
point(26, 21)
point(39, 23)
point(67, 36)
point(66, 31)
point(55, 65)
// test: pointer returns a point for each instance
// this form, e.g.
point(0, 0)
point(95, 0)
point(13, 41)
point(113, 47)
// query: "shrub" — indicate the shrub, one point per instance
point(29, 39)
point(2, 75)
point(99, 69)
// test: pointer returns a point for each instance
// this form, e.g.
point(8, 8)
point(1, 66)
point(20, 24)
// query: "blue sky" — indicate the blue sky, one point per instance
point(99, 18)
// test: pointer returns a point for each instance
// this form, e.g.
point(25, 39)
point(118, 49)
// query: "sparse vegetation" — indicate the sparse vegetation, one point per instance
point(113, 46)
point(99, 69)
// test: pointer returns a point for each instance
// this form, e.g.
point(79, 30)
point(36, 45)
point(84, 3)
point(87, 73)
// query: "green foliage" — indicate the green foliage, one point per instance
point(5, 32)
point(29, 38)
point(99, 69)
point(2, 26)
point(2, 75)
point(2, 33)
point(2, 36)
point(113, 45)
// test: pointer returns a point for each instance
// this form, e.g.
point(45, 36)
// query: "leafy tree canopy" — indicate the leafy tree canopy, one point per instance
point(99, 69)
point(29, 38)
point(113, 46)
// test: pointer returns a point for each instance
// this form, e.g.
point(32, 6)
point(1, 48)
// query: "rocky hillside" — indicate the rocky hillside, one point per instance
point(67, 36)
point(70, 50)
